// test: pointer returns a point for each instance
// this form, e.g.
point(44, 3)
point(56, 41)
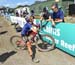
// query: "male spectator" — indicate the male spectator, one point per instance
point(32, 12)
point(58, 15)
point(45, 14)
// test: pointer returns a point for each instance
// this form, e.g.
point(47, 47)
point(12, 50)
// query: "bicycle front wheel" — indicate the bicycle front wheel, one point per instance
point(45, 43)
point(17, 43)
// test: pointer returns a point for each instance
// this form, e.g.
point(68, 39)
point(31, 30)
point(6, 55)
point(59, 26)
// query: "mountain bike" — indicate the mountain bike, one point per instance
point(43, 42)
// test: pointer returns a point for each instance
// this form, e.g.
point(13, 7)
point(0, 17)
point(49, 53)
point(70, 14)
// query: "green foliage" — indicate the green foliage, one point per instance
point(38, 7)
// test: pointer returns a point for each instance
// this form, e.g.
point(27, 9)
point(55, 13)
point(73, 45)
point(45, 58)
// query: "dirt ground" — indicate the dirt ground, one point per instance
point(9, 57)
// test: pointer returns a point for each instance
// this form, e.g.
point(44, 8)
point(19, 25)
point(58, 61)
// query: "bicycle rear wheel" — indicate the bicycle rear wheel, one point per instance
point(17, 42)
point(45, 43)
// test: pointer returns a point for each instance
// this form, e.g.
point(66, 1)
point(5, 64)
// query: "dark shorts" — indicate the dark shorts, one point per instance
point(31, 36)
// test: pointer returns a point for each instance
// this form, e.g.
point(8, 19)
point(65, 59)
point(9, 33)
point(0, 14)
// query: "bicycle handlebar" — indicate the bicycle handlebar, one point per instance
point(44, 24)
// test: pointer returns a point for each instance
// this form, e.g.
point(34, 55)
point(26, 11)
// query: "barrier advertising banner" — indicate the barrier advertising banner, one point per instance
point(64, 35)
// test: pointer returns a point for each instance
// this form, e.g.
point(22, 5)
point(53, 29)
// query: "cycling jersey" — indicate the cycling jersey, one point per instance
point(26, 29)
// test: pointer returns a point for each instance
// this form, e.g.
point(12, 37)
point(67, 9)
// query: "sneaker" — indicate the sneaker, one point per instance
point(36, 60)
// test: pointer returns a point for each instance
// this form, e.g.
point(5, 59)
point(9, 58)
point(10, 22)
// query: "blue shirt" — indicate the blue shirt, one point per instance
point(26, 29)
point(58, 15)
